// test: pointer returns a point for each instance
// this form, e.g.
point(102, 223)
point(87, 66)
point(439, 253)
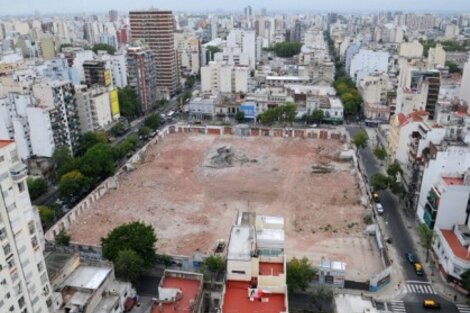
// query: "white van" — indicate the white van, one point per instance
point(379, 208)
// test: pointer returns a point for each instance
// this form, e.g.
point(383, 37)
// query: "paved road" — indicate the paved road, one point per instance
point(416, 287)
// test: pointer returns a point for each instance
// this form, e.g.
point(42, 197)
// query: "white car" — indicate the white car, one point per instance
point(379, 208)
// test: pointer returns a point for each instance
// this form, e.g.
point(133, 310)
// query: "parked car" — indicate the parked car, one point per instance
point(411, 257)
point(379, 208)
point(418, 269)
point(431, 304)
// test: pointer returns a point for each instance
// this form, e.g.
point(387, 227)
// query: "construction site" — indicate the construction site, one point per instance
point(192, 188)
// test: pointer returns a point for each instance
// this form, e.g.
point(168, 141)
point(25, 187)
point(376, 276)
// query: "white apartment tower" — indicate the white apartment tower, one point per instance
point(24, 284)
point(464, 89)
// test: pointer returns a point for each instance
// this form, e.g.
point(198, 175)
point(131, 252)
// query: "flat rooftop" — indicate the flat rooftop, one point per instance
point(189, 288)
point(236, 300)
point(241, 243)
point(192, 206)
point(89, 277)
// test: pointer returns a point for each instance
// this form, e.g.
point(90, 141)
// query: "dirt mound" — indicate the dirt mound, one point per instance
point(226, 156)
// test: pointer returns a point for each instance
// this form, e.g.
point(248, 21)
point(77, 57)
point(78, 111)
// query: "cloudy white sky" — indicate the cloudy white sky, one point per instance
point(72, 6)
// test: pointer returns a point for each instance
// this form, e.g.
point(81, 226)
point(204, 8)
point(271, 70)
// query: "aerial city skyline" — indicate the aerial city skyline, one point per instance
point(224, 157)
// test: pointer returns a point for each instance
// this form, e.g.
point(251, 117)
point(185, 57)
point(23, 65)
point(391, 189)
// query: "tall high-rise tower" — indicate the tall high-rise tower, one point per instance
point(157, 28)
point(24, 285)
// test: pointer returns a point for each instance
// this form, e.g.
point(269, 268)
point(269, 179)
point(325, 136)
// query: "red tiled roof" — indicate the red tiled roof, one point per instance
point(401, 118)
point(236, 300)
point(189, 287)
point(273, 269)
point(417, 116)
point(457, 249)
point(4, 143)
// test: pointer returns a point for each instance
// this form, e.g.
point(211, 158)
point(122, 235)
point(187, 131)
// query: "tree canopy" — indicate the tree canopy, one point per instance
point(299, 274)
point(380, 153)
point(426, 238)
point(37, 187)
point(286, 49)
point(98, 162)
point(135, 236)
point(214, 264)
point(152, 121)
point(465, 279)
point(360, 139)
point(129, 103)
point(90, 139)
point(240, 116)
point(128, 266)
point(102, 46)
point(379, 182)
point(73, 185)
point(282, 114)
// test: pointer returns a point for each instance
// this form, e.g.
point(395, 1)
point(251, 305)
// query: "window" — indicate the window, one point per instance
point(21, 302)
point(31, 228)
point(238, 272)
point(11, 263)
point(2, 158)
point(21, 187)
point(34, 241)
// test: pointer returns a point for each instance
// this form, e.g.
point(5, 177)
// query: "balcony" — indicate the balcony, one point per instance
point(433, 199)
point(428, 219)
point(18, 171)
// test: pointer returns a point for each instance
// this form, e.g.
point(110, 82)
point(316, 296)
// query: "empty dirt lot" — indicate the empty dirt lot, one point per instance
point(190, 190)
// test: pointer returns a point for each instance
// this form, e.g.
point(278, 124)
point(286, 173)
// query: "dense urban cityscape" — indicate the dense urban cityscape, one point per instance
point(239, 158)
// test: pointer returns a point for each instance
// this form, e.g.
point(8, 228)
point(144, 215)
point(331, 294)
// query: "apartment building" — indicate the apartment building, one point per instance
point(24, 284)
point(94, 108)
point(366, 62)
point(58, 98)
point(97, 73)
point(464, 90)
point(374, 89)
point(224, 78)
point(188, 52)
point(256, 266)
point(156, 29)
point(143, 75)
point(86, 287)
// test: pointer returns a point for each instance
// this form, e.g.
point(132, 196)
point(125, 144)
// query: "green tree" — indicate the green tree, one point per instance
point(62, 238)
point(426, 238)
point(129, 104)
point(322, 299)
point(453, 68)
point(317, 115)
point(102, 46)
point(360, 139)
point(98, 162)
point(128, 266)
point(135, 236)
point(214, 264)
point(287, 49)
point(240, 116)
point(118, 129)
point(394, 169)
point(299, 274)
point(152, 121)
point(46, 214)
point(73, 185)
point(379, 182)
point(63, 161)
point(144, 132)
point(465, 279)
point(211, 51)
point(380, 153)
point(37, 187)
point(90, 139)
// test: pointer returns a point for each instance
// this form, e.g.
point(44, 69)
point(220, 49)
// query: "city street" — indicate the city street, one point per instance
point(417, 288)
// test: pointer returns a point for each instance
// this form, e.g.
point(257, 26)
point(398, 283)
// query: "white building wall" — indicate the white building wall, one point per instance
point(464, 89)
point(453, 160)
point(20, 127)
point(42, 140)
point(206, 78)
point(412, 49)
point(24, 275)
point(452, 207)
point(103, 109)
point(225, 79)
point(241, 79)
point(366, 62)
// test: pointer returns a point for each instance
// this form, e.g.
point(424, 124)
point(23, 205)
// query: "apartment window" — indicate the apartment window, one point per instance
point(14, 277)
point(11, 263)
point(40, 267)
point(7, 249)
point(31, 228)
point(239, 272)
point(18, 289)
point(2, 158)
point(3, 234)
point(21, 187)
point(34, 241)
point(14, 156)
point(21, 302)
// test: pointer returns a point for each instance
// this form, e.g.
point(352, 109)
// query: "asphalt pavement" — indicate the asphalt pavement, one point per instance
point(414, 286)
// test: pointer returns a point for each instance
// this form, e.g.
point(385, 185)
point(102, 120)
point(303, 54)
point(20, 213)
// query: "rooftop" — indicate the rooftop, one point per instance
point(273, 269)
point(236, 300)
point(189, 289)
point(55, 262)
point(89, 277)
point(457, 249)
point(241, 243)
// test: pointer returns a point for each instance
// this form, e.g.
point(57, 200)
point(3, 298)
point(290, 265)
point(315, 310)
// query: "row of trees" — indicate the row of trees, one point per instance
point(282, 114)
point(381, 181)
point(447, 45)
point(286, 49)
point(129, 104)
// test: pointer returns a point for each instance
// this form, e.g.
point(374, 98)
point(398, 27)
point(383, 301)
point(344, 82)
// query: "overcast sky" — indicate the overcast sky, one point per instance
point(71, 6)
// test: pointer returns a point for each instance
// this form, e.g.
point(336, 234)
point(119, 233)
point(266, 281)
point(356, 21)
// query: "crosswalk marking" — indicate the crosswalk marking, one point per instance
point(421, 288)
point(397, 307)
point(463, 308)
